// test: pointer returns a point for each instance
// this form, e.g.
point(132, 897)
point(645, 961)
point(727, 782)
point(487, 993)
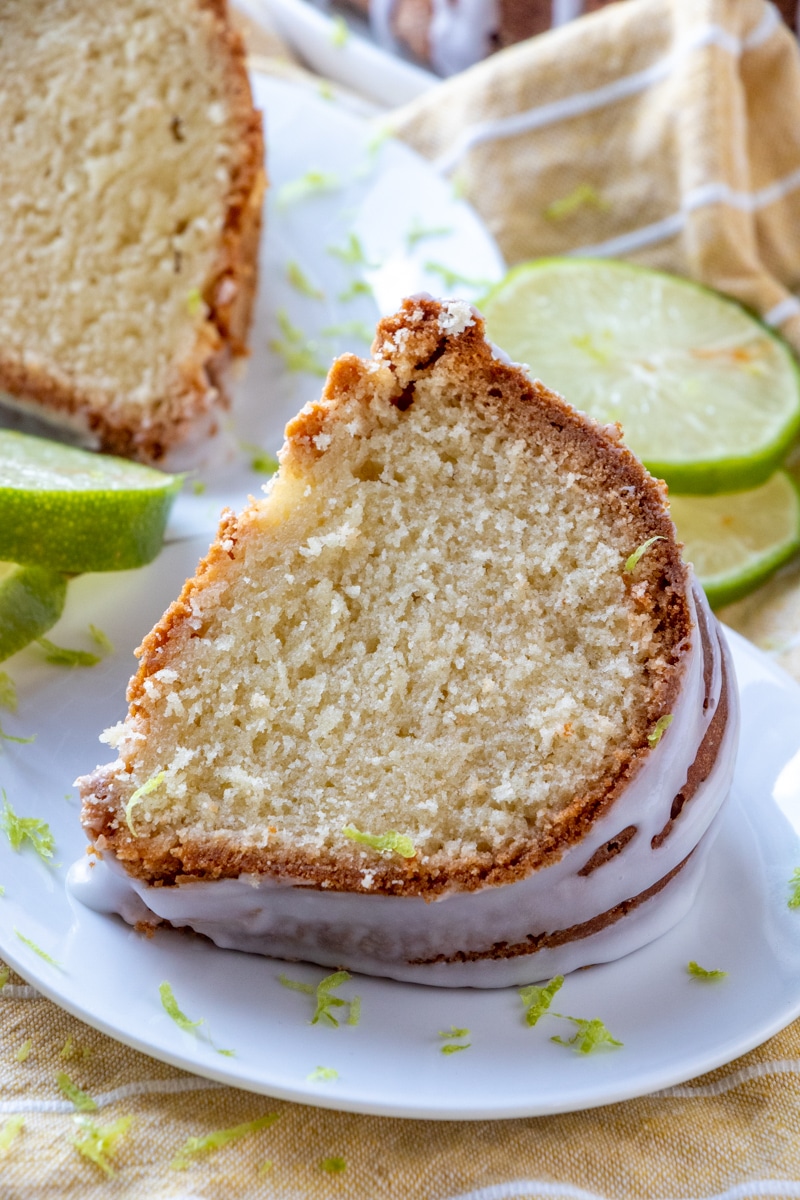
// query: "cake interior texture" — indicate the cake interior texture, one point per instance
point(426, 627)
point(119, 164)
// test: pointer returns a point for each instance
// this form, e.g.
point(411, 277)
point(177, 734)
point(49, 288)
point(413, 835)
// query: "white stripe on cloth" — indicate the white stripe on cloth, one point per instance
point(145, 1087)
point(609, 93)
point(539, 1189)
point(781, 1066)
point(790, 307)
point(19, 991)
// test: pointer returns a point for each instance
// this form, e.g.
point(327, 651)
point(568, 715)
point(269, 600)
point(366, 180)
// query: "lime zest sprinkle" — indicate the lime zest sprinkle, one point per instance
point(172, 1010)
point(71, 1050)
point(453, 1047)
point(352, 252)
point(355, 1011)
point(325, 90)
point(393, 842)
point(458, 186)
point(659, 729)
point(359, 287)
point(301, 283)
point(4, 976)
point(102, 640)
point(322, 1073)
point(313, 183)
point(24, 1051)
point(9, 1132)
point(18, 830)
point(198, 487)
point(98, 1143)
point(632, 560)
point(454, 279)
point(589, 1035)
point(333, 1165)
point(587, 343)
point(453, 1032)
point(219, 1138)
point(63, 656)
point(23, 741)
point(8, 692)
point(537, 999)
point(340, 32)
point(194, 302)
point(37, 949)
point(583, 196)
point(358, 329)
point(698, 972)
point(324, 1000)
point(296, 352)
point(82, 1100)
point(419, 232)
point(2, 893)
point(147, 787)
point(260, 460)
point(794, 884)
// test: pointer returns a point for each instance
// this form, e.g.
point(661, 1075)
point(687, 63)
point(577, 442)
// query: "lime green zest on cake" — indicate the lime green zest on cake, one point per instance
point(219, 1138)
point(453, 279)
point(19, 830)
point(419, 232)
point(583, 196)
point(24, 1050)
point(9, 1133)
point(333, 1165)
point(359, 287)
point(8, 692)
point(322, 1073)
point(698, 972)
point(340, 32)
point(194, 302)
point(537, 999)
point(149, 786)
point(352, 252)
point(63, 656)
point(296, 352)
point(313, 183)
point(99, 1143)
point(396, 843)
point(659, 729)
point(324, 1000)
point(794, 884)
point(630, 562)
point(589, 1036)
point(9, 737)
point(301, 283)
point(37, 949)
point(454, 1047)
point(82, 1100)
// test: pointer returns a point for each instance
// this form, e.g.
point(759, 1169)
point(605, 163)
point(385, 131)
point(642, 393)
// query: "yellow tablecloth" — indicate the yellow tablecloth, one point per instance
point(678, 123)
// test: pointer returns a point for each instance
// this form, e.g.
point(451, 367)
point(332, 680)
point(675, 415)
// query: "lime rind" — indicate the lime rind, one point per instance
point(698, 461)
point(779, 496)
point(75, 511)
point(31, 601)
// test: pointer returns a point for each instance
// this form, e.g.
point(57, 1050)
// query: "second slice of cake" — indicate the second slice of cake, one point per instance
point(442, 706)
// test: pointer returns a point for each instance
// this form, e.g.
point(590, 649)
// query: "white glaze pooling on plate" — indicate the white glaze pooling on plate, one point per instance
point(389, 935)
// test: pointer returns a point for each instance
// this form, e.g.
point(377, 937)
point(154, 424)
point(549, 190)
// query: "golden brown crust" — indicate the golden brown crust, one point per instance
point(527, 409)
point(194, 387)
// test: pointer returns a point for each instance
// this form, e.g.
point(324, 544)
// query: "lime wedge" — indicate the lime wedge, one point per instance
point(707, 396)
point(73, 511)
point(736, 540)
point(31, 600)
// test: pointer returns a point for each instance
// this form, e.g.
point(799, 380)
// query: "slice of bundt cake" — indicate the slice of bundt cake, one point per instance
point(131, 180)
point(452, 656)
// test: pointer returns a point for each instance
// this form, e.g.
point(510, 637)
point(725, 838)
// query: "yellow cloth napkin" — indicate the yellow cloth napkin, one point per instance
point(667, 132)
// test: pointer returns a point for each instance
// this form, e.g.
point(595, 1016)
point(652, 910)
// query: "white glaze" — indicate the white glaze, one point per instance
point(382, 935)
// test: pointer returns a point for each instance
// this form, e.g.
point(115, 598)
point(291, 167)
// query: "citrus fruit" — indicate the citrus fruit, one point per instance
point(707, 396)
point(74, 511)
point(31, 600)
point(736, 540)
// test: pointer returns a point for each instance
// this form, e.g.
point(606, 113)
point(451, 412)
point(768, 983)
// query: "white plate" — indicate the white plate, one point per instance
point(388, 78)
point(673, 1027)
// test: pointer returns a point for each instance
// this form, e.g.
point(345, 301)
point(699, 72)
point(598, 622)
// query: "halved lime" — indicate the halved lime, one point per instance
point(31, 600)
point(707, 396)
point(737, 540)
point(74, 511)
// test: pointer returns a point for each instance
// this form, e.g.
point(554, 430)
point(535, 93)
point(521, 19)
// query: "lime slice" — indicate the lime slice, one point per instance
point(31, 600)
point(707, 396)
point(74, 511)
point(736, 540)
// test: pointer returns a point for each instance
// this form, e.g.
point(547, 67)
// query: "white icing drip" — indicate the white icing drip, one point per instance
point(382, 935)
point(460, 33)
